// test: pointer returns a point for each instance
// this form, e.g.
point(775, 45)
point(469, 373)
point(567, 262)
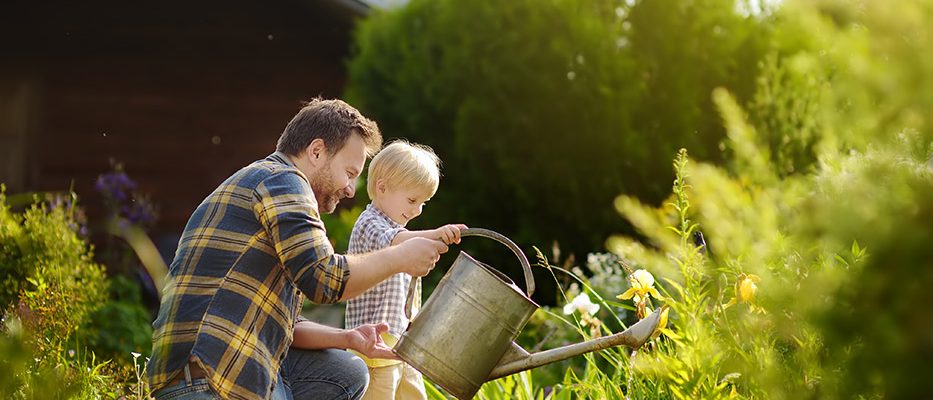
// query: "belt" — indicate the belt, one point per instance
point(191, 372)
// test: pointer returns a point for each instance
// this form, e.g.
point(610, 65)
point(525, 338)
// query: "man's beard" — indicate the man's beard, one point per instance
point(325, 192)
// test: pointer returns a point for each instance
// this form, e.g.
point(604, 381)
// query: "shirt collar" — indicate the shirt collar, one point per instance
point(281, 157)
point(383, 215)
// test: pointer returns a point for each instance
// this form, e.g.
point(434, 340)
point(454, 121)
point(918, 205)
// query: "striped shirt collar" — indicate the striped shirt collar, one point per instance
point(373, 209)
point(282, 158)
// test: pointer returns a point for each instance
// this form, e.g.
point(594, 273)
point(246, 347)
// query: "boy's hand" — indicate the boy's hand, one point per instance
point(420, 254)
point(449, 233)
point(367, 340)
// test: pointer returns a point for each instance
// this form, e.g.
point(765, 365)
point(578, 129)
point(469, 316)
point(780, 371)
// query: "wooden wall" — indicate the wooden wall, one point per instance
point(181, 93)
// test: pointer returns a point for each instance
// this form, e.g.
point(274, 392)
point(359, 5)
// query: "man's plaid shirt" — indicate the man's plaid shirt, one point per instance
point(249, 251)
point(384, 302)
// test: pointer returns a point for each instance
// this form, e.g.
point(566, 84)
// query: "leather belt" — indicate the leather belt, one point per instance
point(191, 372)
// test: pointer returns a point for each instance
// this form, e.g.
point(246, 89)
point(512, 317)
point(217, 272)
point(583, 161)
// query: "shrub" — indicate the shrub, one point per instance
point(50, 287)
point(121, 326)
point(813, 280)
point(50, 280)
point(543, 111)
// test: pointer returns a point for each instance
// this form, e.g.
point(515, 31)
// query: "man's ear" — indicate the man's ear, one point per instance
point(315, 150)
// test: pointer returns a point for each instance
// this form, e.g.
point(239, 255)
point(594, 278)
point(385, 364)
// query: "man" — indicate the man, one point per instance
point(250, 251)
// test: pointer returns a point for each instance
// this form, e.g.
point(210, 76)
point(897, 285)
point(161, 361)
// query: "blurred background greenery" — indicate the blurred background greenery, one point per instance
point(544, 111)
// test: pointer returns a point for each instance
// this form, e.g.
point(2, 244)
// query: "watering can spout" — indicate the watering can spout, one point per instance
point(517, 359)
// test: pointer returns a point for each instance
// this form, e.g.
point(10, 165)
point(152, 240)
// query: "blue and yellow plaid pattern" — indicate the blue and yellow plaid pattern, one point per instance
point(247, 254)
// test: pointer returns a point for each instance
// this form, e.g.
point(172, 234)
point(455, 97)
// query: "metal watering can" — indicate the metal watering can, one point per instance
point(463, 336)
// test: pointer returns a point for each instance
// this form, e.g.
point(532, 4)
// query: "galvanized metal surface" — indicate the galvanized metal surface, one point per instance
point(468, 322)
point(465, 326)
point(633, 337)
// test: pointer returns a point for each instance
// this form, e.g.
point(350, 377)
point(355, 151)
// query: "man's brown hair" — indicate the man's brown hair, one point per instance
point(331, 120)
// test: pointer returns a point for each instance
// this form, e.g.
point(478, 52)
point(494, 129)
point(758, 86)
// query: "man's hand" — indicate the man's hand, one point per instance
point(420, 254)
point(449, 233)
point(366, 340)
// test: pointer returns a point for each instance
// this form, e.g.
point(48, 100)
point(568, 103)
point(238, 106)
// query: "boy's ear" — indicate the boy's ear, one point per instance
point(381, 186)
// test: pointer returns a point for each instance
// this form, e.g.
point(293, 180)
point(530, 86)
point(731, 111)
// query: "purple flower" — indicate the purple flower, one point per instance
point(126, 205)
point(115, 186)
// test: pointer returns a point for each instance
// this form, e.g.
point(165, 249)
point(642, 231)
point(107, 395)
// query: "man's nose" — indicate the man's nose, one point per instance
point(350, 190)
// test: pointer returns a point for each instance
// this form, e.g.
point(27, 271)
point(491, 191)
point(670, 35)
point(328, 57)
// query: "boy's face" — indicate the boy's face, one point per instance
point(400, 204)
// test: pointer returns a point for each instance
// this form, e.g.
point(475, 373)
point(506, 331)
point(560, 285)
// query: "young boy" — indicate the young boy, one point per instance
point(402, 177)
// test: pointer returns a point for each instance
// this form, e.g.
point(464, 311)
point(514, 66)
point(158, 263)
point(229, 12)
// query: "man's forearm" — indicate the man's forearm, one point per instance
point(367, 270)
point(313, 336)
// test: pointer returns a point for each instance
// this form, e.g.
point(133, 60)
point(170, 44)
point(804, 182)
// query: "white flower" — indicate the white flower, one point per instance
point(581, 303)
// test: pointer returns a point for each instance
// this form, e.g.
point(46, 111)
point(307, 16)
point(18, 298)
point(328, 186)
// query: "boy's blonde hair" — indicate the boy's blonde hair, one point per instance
point(405, 165)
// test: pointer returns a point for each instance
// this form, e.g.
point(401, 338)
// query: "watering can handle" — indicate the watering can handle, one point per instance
point(526, 266)
point(486, 233)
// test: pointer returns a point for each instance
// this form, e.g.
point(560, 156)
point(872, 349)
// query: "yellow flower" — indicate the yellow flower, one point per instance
point(746, 287)
point(662, 325)
point(642, 287)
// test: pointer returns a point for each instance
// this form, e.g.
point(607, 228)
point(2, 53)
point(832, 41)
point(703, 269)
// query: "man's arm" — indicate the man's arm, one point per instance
point(364, 339)
point(415, 257)
point(286, 208)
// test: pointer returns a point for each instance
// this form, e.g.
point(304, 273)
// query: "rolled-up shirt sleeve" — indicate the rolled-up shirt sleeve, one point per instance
point(287, 209)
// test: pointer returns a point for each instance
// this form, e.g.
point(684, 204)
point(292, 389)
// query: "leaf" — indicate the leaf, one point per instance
point(841, 260)
point(675, 285)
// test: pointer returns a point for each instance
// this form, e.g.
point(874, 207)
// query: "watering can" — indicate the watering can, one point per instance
point(463, 336)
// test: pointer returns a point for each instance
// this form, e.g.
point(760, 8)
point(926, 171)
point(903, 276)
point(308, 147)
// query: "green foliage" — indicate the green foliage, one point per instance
point(518, 387)
point(59, 376)
point(784, 110)
point(543, 111)
point(120, 326)
point(51, 287)
point(340, 225)
point(818, 256)
point(50, 279)
point(683, 50)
